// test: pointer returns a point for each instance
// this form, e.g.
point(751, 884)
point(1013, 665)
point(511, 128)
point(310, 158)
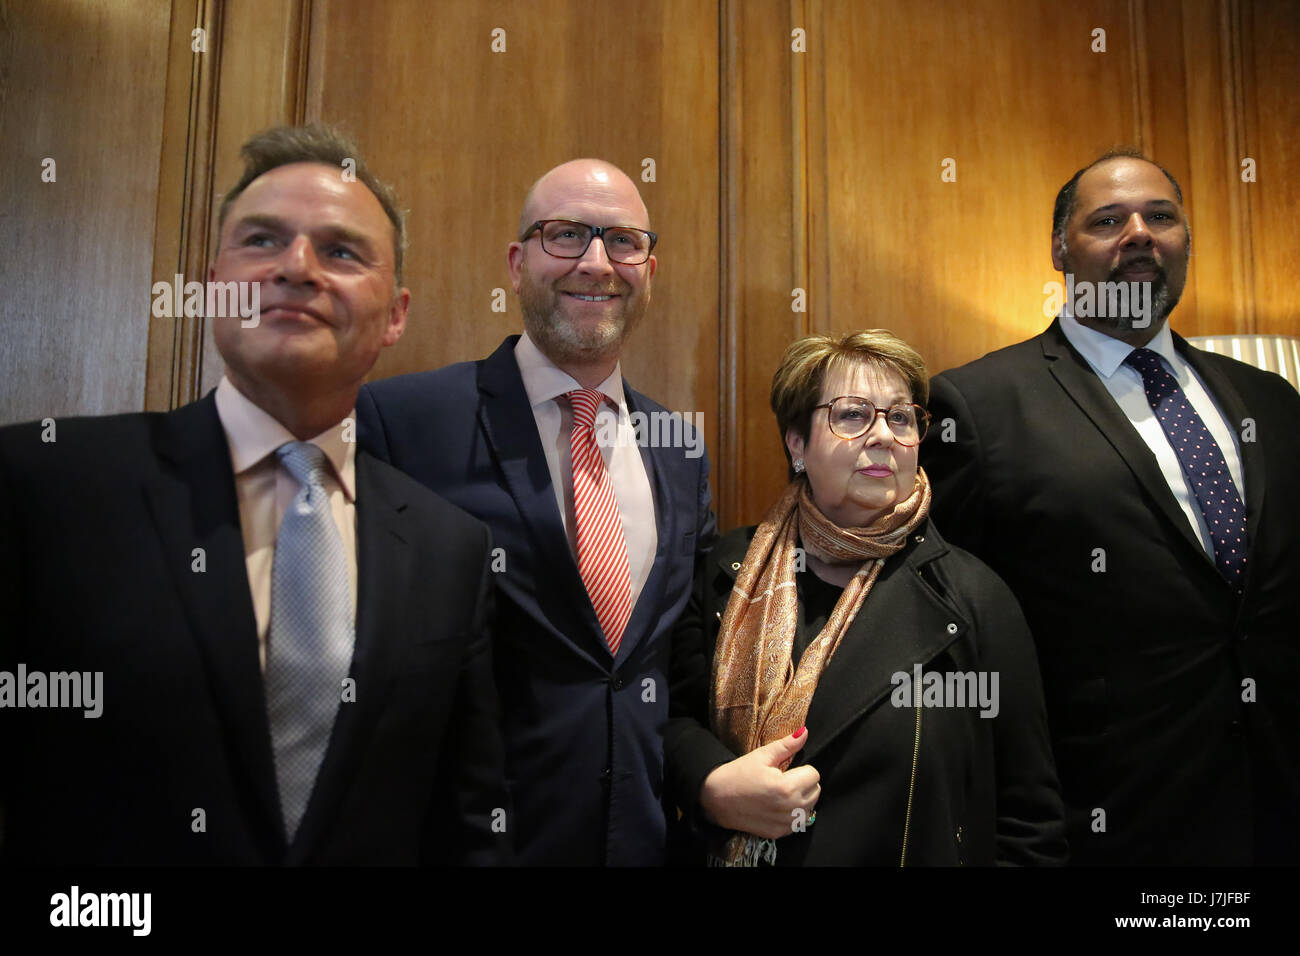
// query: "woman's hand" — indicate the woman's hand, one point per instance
point(752, 793)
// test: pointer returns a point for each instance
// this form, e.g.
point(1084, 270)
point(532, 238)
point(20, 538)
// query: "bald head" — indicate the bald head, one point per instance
point(580, 309)
point(579, 183)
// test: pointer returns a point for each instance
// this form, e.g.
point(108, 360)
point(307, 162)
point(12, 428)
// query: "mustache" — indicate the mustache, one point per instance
point(1143, 263)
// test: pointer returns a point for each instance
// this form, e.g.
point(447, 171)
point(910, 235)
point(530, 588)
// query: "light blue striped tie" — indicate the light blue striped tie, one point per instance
point(312, 631)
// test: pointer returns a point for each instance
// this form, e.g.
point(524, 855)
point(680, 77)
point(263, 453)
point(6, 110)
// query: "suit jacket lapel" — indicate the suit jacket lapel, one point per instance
point(506, 418)
point(650, 601)
point(383, 576)
point(1081, 383)
point(194, 506)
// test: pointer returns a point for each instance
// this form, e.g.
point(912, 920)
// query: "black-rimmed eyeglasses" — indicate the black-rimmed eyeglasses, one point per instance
point(567, 239)
point(851, 417)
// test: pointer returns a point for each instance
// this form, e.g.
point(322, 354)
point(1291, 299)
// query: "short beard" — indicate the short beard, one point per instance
point(1162, 300)
point(560, 340)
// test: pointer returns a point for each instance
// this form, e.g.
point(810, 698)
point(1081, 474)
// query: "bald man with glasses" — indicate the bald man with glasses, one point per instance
point(598, 534)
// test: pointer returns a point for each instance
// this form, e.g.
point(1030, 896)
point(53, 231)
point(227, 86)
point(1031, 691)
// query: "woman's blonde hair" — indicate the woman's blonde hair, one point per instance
point(797, 384)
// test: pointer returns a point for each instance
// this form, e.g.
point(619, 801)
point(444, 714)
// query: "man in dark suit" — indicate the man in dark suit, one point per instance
point(597, 530)
point(1140, 497)
point(196, 574)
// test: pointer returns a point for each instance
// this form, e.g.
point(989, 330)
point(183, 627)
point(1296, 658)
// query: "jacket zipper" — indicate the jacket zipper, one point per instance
point(911, 786)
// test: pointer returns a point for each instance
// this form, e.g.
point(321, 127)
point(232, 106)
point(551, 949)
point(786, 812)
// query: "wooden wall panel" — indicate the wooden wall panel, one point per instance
point(1195, 75)
point(774, 170)
point(764, 234)
point(184, 196)
point(1013, 94)
point(82, 83)
point(1271, 38)
point(462, 132)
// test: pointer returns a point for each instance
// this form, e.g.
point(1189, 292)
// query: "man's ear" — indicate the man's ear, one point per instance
point(1058, 252)
point(397, 312)
point(651, 264)
point(515, 260)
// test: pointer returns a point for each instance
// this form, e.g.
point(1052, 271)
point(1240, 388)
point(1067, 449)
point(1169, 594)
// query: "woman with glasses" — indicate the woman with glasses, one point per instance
point(847, 688)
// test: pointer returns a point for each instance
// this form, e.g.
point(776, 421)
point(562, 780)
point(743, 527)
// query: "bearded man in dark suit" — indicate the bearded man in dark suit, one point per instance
point(1140, 498)
point(598, 519)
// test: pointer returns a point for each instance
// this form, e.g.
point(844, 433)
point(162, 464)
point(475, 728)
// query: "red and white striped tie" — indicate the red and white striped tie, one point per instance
point(602, 549)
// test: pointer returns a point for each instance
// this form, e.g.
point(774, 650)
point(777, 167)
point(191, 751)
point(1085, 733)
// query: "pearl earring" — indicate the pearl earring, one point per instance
point(798, 466)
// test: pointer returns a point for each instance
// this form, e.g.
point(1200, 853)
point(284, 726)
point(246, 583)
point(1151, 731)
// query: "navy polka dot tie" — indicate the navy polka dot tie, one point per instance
point(1202, 462)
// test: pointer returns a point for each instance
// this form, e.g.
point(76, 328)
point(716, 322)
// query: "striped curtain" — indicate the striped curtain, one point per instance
point(1274, 353)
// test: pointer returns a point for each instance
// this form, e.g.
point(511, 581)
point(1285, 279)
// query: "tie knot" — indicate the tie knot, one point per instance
point(585, 402)
point(1145, 361)
point(305, 461)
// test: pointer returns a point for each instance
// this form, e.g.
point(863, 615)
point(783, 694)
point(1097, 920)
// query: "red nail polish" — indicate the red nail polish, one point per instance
point(799, 733)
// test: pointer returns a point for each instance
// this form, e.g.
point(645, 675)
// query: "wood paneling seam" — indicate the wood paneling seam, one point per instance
point(1239, 243)
point(729, 446)
point(1140, 65)
point(799, 164)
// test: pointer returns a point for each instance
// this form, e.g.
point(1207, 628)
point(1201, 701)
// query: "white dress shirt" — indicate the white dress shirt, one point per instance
point(1106, 356)
point(546, 385)
point(266, 489)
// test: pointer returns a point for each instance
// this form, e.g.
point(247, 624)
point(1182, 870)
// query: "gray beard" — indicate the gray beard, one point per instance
point(561, 341)
point(1162, 302)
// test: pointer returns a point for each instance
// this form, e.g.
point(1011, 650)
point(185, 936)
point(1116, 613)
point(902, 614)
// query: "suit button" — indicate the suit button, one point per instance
point(606, 776)
point(617, 682)
point(952, 628)
point(1234, 727)
point(1241, 637)
point(735, 565)
point(919, 538)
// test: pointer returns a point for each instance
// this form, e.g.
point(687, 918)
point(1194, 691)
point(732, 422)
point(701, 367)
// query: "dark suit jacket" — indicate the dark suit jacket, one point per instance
point(583, 732)
point(985, 789)
point(98, 539)
point(1143, 662)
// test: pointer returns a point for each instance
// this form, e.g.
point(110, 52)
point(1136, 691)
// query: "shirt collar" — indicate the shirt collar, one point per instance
point(253, 434)
point(544, 382)
point(1105, 353)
